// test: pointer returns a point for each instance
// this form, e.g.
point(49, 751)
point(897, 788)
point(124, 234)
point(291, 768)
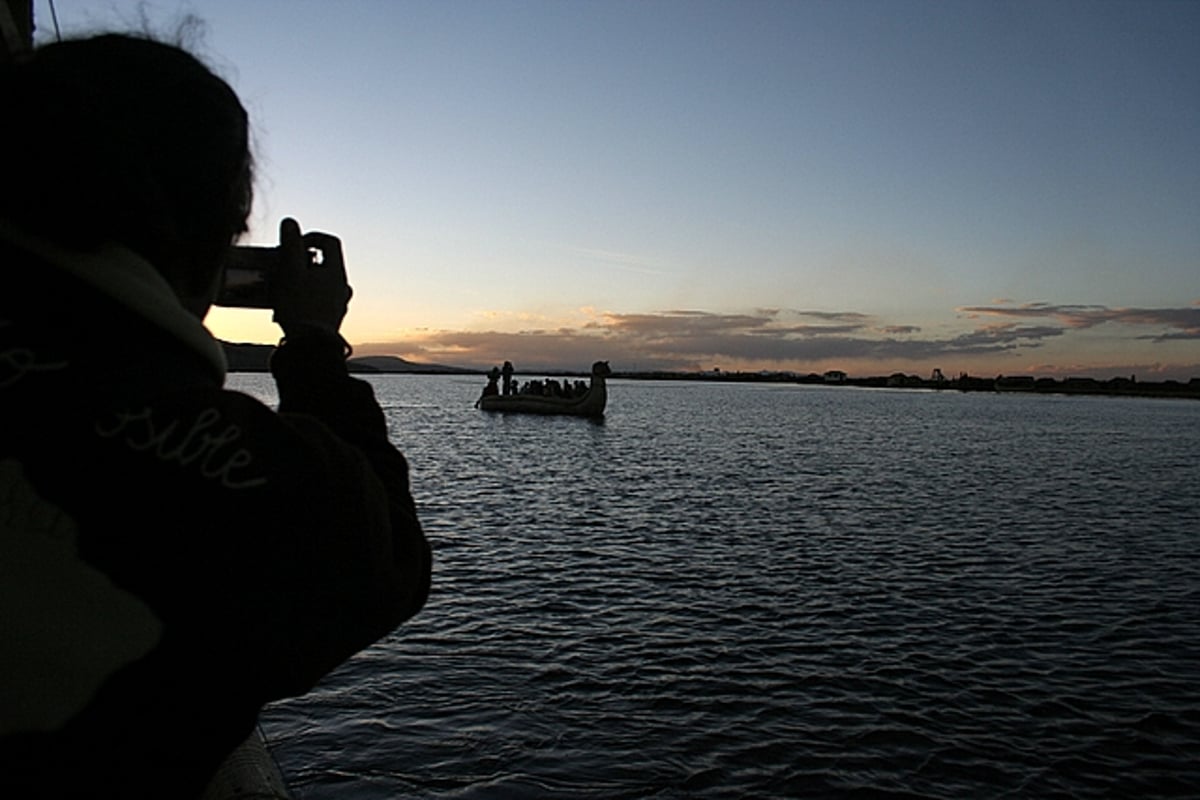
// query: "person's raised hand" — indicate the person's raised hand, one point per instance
point(309, 287)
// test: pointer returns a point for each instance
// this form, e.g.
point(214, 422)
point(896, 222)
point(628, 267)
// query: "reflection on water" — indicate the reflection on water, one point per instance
point(777, 591)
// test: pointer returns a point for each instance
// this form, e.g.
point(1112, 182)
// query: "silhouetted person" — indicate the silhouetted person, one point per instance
point(492, 389)
point(172, 555)
point(507, 372)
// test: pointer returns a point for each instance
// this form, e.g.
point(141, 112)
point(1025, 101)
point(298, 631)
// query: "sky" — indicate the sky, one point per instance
point(991, 188)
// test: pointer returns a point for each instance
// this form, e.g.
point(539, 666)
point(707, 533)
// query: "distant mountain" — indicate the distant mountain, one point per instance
point(255, 358)
point(397, 364)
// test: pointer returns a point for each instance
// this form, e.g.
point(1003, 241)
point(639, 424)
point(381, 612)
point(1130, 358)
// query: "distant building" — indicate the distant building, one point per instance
point(835, 376)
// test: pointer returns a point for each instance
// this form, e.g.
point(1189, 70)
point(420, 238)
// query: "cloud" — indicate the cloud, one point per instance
point(836, 316)
point(691, 339)
point(796, 340)
point(677, 324)
point(1174, 337)
point(1181, 323)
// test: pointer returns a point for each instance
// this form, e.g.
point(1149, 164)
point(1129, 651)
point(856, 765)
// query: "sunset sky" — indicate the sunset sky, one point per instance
point(983, 187)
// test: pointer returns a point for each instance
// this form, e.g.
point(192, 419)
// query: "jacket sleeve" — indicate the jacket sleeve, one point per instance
point(374, 567)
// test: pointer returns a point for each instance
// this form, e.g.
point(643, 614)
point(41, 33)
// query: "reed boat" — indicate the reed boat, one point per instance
point(589, 404)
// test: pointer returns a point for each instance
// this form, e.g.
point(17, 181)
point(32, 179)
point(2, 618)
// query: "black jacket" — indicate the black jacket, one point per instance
point(174, 555)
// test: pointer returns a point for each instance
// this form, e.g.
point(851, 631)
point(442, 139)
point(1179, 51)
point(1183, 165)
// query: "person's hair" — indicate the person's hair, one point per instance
point(125, 139)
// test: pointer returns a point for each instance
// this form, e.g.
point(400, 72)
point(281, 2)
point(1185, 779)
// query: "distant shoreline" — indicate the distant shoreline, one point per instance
point(1120, 387)
point(255, 357)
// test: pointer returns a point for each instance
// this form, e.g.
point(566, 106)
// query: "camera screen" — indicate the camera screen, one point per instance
point(244, 288)
point(247, 274)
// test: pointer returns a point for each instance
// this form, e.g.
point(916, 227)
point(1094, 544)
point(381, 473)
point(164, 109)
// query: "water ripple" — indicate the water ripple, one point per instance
point(781, 592)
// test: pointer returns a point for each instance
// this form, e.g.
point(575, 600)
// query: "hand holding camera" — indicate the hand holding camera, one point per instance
point(303, 279)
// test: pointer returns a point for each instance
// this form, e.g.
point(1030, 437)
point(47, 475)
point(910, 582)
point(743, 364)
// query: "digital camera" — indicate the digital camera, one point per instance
point(246, 282)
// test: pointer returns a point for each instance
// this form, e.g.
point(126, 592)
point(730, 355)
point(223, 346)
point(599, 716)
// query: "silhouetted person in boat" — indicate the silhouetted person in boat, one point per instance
point(492, 389)
point(507, 372)
point(172, 555)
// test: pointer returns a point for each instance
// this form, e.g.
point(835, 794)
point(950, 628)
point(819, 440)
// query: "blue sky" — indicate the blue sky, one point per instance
point(982, 187)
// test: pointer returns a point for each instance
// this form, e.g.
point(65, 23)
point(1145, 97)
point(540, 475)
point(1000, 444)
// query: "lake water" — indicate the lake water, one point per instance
point(727, 591)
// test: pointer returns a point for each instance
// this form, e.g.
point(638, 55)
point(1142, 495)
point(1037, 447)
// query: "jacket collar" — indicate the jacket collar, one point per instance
point(126, 277)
